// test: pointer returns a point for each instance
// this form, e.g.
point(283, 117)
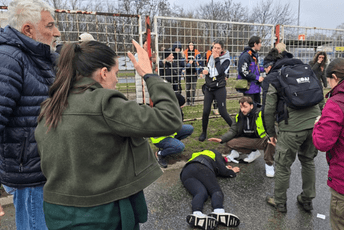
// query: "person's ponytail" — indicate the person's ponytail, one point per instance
point(75, 62)
point(57, 102)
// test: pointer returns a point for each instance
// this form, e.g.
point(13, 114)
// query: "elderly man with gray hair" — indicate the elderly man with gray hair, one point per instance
point(27, 46)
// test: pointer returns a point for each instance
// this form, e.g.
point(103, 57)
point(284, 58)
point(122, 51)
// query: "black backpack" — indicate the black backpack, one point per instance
point(300, 88)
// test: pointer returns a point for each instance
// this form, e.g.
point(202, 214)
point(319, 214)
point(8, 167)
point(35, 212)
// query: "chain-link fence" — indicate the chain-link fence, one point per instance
point(115, 30)
point(174, 37)
point(305, 42)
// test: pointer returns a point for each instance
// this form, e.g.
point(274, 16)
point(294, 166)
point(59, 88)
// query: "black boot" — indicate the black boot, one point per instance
point(202, 137)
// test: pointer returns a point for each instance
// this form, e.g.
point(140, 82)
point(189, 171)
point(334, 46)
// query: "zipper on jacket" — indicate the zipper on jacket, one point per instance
point(22, 153)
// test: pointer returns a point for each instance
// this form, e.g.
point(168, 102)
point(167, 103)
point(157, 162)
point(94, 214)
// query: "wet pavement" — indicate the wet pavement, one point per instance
point(169, 203)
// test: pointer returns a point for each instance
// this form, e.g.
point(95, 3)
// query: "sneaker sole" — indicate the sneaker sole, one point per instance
point(226, 219)
point(206, 222)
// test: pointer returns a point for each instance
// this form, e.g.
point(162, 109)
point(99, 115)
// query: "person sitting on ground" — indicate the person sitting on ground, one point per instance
point(172, 144)
point(199, 178)
point(247, 135)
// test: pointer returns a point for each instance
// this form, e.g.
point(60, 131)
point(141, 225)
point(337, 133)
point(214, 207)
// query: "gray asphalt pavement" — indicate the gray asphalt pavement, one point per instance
point(169, 203)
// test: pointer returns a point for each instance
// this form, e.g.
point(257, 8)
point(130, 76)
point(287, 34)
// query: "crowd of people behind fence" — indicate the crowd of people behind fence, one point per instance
point(74, 151)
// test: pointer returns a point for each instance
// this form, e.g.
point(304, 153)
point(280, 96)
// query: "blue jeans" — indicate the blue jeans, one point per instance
point(171, 145)
point(28, 203)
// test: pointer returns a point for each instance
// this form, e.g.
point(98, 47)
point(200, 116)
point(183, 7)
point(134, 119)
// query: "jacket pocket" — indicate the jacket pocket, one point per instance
point(142, 154)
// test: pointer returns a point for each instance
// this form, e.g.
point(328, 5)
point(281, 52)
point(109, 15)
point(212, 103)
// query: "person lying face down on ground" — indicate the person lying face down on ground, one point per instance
point(199, 178)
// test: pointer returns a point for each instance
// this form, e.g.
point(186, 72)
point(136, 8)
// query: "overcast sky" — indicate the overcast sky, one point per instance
point(314, 13)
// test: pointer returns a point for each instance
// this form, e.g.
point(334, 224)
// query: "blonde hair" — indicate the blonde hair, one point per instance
point(281, 47)
point(24, 11)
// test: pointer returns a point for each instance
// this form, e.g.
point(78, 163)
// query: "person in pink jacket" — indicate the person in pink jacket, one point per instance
point(328, 135)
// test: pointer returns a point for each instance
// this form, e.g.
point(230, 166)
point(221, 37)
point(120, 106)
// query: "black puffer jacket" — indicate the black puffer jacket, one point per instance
point(26, 73)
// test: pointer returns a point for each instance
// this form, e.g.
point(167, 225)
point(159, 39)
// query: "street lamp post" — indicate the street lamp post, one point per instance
point(298, 18)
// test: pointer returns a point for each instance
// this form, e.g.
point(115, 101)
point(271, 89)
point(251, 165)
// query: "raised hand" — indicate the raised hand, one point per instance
point(143, 65)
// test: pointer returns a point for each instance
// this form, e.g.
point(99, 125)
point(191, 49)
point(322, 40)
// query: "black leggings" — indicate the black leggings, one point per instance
point(220, 95)
point(201, 182)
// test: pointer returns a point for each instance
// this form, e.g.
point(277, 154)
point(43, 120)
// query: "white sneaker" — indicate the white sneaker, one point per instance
point(253, 155)
point(204, 222)
point(234, 154)
point(269, 170)
point(226, 219)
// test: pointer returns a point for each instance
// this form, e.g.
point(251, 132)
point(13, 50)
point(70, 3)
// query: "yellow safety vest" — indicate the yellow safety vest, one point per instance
point(259, 124)
point(208, 153)
point(156, 140)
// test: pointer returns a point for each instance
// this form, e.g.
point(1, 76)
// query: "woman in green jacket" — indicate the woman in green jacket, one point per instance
point(91, 140)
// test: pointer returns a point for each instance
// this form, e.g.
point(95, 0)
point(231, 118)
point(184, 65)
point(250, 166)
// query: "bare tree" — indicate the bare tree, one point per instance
point(270, 12)
point(57, 4)
point(223, 11)
point(74, 4)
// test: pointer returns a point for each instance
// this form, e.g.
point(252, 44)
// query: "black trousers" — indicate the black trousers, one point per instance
point(220, 95)
point(191, 84)
point(201, 182)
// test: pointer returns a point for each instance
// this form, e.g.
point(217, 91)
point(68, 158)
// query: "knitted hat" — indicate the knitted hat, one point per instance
point(85, 37)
